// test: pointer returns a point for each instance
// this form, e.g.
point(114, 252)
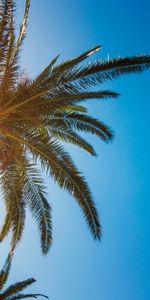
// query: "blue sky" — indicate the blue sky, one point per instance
point(76, 268)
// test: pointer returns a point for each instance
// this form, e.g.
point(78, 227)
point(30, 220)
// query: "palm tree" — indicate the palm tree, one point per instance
point(36, 116)
point(14, 291)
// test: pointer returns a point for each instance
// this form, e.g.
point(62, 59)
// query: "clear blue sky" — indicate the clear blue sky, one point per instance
point(76, 268)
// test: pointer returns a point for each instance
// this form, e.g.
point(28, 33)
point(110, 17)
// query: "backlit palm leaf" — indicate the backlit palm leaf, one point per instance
point(36, 116)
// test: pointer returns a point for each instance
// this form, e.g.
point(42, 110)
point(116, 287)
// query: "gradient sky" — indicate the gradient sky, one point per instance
point(76, 268)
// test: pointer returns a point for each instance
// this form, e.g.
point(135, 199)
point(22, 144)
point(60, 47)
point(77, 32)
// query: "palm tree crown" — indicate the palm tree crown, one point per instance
point(14, 291)
point(36, 116)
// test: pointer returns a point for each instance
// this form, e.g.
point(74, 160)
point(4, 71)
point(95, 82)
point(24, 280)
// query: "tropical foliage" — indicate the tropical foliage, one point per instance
point(36, 116)
point(14, 291)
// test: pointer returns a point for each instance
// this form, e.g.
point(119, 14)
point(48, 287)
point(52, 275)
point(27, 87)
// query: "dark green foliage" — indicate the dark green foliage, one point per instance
point(36, 116)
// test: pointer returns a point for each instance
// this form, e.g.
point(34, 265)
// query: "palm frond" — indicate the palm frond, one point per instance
point(44, 75)
point(102, 71)
point(34, 191)
point(75, 61)
point(54, 70)
point(13, 292)
point(81, 78)
point(12, 188)
point(46, 98)
point(24, 296)
point(64, 172)
point(6, 225)
point(4, 273)
point(14, 289)
point(10, 68)
point(4, 33)
point(60, 166)
point(80, 122)
point(37, 116)
point(67, 135)
point(22, 32)
point(62, 99)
